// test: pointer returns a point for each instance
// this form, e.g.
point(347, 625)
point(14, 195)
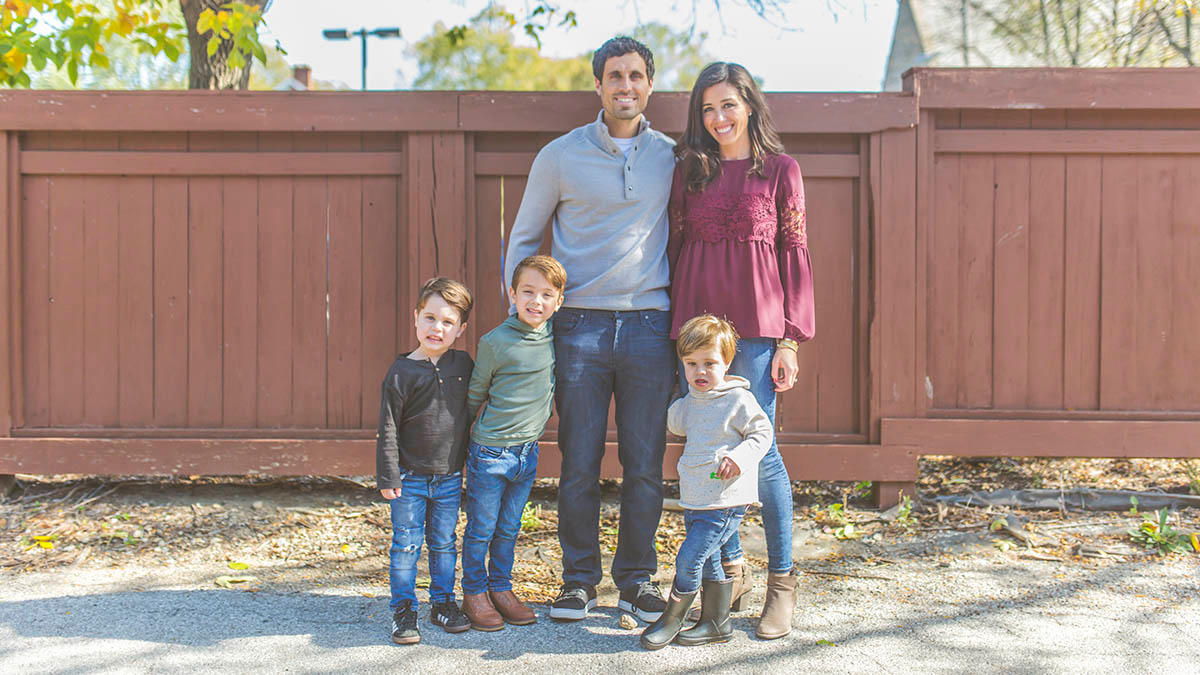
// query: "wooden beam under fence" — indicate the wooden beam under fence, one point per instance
point(291, 456)
point(1045, 438)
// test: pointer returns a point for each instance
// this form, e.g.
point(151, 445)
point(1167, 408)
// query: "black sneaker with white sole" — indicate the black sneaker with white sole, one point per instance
point(404, 625)
point(449, 617)
point(644, 601)
point(573, 602)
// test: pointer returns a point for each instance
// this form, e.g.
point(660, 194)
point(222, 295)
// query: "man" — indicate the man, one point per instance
point(605, 186)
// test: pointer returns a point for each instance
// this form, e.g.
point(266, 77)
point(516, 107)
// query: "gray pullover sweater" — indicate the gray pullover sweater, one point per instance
point(609, 217)
point(723, 422)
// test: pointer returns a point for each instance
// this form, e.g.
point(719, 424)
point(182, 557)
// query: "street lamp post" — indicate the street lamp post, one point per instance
point(343, 34)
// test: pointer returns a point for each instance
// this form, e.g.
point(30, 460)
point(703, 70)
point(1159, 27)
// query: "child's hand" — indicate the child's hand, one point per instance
point(728, 469)
point(390, 493)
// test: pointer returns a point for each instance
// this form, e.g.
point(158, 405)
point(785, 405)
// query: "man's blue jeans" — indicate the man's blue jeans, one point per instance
point(699, 555)
point(601, 355)
point(426, 510)
point(498, 484)
point(753, 362)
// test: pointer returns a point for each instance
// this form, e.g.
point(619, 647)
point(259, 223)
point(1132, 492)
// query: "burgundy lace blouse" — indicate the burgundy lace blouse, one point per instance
point(739, 250)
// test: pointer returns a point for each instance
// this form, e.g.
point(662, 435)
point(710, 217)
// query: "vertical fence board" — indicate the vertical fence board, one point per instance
point(896, 265)
point(344, 401)
point(67, 259)
point(380, 305)
point(975, 283)
point(35, 286)
point(490, 304)
point(1185, 236)
point(136, 301)
point(1153, 295)
point(239, 302)
point(274, 332)
point(101, 346)
point(1010, 290)
point(204, 268)
point(1047, 190)
point(171, 301)
point(8, 240)
point(831, 245)
point(1118, 283)
point(942, 360)
point(309, 287)
point(1081, 285)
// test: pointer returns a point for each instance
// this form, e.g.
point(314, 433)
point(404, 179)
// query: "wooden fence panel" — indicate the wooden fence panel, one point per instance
point(980, 256)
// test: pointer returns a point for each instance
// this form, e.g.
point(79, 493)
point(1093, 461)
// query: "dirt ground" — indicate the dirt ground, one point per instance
point(287, 534)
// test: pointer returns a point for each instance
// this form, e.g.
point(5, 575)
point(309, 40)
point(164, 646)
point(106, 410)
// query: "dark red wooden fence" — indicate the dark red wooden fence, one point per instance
point(209, 282)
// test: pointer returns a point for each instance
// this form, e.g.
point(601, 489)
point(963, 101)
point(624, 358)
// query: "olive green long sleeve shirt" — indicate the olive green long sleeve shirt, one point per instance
point(513, 382)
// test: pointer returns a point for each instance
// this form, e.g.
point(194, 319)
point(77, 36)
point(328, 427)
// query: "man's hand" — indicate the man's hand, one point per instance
point(728, 469)
point(390, 493)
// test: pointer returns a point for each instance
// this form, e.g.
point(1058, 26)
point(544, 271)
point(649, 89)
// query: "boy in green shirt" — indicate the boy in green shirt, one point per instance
point(514, 374)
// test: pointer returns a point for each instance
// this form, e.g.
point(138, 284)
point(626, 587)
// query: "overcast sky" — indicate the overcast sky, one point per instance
point(820, 45)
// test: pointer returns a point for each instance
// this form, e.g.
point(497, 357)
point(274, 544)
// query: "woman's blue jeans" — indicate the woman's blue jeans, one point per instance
point(426, 510)
point(498, 484)
point(753, 362)
point(699, 556)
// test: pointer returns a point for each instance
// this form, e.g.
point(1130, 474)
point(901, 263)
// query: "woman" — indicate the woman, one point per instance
point(738, 249)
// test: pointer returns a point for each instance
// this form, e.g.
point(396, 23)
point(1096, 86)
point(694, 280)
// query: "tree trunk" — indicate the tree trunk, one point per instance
point(212, 72)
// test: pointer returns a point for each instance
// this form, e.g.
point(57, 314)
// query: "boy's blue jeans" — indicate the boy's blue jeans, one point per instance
point(498, 484)
point(426, 510)
point(700, 554)
point(753, 362)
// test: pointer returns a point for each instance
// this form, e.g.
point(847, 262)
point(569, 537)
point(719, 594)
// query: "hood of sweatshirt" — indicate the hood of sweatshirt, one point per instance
point(731, 383)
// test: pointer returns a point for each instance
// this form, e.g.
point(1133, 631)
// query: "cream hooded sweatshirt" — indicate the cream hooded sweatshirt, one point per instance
point(725, 421)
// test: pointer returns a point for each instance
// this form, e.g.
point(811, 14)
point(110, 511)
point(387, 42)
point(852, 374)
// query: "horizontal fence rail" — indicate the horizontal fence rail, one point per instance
point(215, 282)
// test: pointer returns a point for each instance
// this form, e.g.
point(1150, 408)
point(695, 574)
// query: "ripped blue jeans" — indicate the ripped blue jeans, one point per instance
point(426, 511)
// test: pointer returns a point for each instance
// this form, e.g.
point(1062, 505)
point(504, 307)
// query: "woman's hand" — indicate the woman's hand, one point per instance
point(390, 493)
point(784, 369)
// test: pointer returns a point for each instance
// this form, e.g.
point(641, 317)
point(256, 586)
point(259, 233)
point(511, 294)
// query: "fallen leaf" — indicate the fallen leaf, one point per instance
point(238, 565)
point(627, 622)
point(345, 548)
point(422, 582)
point(225, 581)
point(44, 537)
point(46, 544)
point(826, 643)
point(1196, 542)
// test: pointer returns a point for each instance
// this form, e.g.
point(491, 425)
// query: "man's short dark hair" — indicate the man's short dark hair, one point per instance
point(620, 46)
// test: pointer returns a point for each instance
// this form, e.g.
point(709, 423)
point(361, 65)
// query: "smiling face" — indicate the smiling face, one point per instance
point(624, 87)
point(535, 298)
point(438, 326)
point(726, 116)
point(705, 368)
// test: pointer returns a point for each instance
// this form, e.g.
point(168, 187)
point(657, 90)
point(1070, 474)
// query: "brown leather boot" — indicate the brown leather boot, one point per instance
point(776, 620)
point(741, 588)
point(511, 608)
point(480, 612)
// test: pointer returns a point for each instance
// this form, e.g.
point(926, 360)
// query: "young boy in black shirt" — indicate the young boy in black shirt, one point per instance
point(420, 450)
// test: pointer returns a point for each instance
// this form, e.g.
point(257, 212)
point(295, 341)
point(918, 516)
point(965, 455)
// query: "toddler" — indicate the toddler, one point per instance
point(727, 434)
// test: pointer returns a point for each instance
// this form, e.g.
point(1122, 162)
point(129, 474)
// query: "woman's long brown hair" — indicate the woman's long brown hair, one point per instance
point(698, 151)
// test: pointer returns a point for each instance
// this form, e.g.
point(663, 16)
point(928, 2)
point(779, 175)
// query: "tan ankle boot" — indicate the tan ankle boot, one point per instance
point(776, 620)
point(741, 588)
